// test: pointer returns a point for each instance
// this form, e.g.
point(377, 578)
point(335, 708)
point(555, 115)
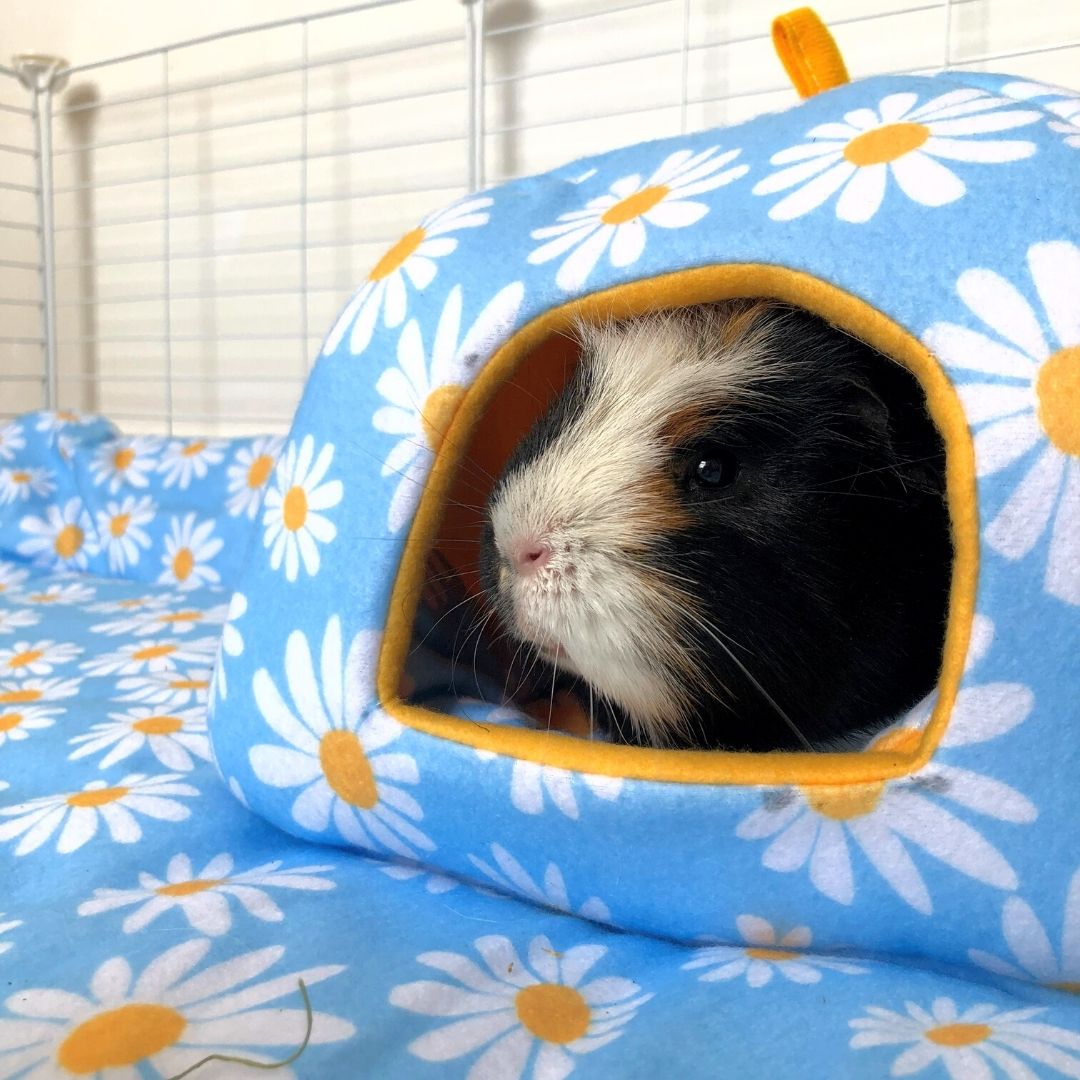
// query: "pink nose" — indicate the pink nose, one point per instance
point(529, 556)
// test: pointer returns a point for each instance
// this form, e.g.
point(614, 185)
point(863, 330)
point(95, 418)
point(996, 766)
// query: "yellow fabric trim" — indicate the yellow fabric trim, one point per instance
point(808, 52)
point(686, 287)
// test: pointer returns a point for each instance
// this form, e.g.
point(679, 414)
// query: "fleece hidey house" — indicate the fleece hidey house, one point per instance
point(456, 890)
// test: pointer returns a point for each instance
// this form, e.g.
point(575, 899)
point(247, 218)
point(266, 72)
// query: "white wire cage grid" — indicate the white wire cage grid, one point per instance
point(179, 226)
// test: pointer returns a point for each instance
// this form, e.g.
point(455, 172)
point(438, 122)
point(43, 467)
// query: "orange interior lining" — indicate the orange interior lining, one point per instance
point(681, 289)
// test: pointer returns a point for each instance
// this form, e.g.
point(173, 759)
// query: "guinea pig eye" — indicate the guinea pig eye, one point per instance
point(713, 467)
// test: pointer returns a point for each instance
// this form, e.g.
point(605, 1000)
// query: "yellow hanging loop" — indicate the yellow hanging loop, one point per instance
point(808, 52)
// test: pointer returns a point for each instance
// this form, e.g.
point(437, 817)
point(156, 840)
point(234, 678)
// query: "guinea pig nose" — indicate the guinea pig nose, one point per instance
point(529, 556)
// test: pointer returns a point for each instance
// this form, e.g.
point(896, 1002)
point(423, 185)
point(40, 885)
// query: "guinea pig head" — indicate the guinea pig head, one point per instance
point(724, 527)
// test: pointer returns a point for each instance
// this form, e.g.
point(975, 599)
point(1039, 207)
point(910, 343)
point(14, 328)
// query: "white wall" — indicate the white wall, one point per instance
point(241, 333)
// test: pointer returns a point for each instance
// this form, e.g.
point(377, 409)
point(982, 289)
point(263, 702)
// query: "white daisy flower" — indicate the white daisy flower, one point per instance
point(38, 658)
point(167, 689)
point(422, 397)
point(1034, 955)
point(129, 461)
point(121, 529)
point(167, 1020)
point(764, 955)
point(77, 813)
point(172, 737)
point(12, 619)
point(12, 440)
point(530, 782)
point(343, 761)
point(813, 825)
point(434, 883)
point(12, 576)
point(11, 924)
point(203, 897)
point(1026, 404)
point(37, 691)
point(411, 261)
point(971, 1043)
point(184, 460)
point(189, 549)
point(509, 875)
point(65, 536)
point(53, 420)
point(249, 472)
point(176, 619)
point(901, 139)
point(1064, 103)
point(615, 223)
point(516, 1010)
point(17, 721)
point(232, 644)
point(69, 594)
point(149, 657)
point(22, 483)
point(142, 602)
point(295, 525)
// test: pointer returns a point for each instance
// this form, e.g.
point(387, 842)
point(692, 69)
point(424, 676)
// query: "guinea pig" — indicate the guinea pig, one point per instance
point(729, 531)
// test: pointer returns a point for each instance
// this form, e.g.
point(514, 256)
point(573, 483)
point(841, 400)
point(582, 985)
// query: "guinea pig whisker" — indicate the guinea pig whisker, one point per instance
point(592, 721)
point(714, 634)
point(554, 676)
point(435, 625)
point(476, 647)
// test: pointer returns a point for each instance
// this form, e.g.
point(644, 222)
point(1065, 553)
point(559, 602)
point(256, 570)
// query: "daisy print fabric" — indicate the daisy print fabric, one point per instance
point(410, 264)
point(903, 141)
point(617, 223)
point(422, 392)
point(1017, 360)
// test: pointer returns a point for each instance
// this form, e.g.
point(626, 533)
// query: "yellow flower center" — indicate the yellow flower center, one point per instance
point(633, 206)
point(67, 416)
point(259, 472)
point(397, 255)
point(68, 541)
point(119, 525)
point(123, 458)
point(193, 449)
point(21, 477)
point(885, 144)
point(25, 659)
point(131, 605)
point(10, 721)
point(959, 1034)
point(189, 888)
point(44, 598)
point(438, 411)
point(183, 563)
point(120, 1037)
point(347, 769)
point(552, 1012)
point(294, 510)
point(99, 797)
point(20, 697)
point(777, 956)
point(170, 617)
point(1058, 390)
point(158, 725)
point(153, 652)
point(189, 684)
point(842, 802)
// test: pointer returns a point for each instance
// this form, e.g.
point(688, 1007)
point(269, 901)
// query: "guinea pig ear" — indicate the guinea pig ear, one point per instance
point(868, 409)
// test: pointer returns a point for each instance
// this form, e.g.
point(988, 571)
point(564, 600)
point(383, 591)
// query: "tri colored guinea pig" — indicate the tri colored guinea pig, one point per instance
point(729, 531)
